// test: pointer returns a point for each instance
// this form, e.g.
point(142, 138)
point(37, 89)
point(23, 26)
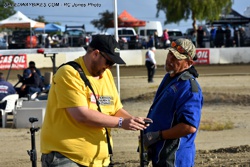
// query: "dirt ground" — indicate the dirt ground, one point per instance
point(226, 92)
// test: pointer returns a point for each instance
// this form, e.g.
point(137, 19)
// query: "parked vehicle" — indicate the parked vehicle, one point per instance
point(22, 39)
point(128, 39)
point(149, 29)
point(75, 36)
point(3, 43)
point(173, 35)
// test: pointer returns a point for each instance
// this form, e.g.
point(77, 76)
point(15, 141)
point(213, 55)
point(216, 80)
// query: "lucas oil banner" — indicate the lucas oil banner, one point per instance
point(16, 62)
point(203, 56)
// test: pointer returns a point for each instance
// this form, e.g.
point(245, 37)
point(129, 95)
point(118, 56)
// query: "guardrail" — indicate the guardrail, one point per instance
point(131, 57)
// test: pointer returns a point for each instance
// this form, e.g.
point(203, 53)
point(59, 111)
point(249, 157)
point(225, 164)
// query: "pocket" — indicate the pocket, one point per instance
point(47, 159)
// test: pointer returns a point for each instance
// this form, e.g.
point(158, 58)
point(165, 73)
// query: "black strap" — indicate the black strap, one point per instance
point(77, 67)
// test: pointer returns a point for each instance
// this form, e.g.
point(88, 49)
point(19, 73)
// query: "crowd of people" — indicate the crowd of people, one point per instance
point(223, 37)
point(215, 37)
point(219, 37)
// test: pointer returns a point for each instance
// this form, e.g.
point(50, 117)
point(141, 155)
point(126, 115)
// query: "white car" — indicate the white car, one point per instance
point(3, 44)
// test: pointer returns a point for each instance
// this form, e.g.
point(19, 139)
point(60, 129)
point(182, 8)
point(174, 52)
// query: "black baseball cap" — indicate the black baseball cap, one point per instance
point(108, 45)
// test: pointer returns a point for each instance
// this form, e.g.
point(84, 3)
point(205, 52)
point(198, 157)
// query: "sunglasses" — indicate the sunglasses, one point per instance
point(108, 62)
point(180, 49)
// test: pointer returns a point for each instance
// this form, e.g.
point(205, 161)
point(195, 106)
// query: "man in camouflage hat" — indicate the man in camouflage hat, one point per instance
point(176, 110)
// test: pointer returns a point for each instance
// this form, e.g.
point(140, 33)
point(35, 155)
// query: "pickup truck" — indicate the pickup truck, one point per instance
point(22, 39)
point(128, 39)
point(75, 36)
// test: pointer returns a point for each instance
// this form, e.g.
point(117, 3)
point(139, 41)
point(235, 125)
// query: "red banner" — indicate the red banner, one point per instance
point(14, 61)
point(203, 56)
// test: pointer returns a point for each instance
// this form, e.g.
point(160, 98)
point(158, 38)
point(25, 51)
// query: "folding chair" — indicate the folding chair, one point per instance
point(10, 107)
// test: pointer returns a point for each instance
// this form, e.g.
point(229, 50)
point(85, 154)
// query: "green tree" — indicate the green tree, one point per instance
point(6, 9)
point(105, 22)
point(41, 19)
point(177, 10)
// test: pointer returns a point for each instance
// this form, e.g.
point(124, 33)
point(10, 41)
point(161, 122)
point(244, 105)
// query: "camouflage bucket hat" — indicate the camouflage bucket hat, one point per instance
point(183, 48)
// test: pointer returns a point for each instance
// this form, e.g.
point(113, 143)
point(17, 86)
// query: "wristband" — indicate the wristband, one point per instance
point(120, 122)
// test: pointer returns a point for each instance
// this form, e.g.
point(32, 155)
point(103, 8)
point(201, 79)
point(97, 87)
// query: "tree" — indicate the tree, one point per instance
point(177, 10)
point(105, 22)
point(41, 19)
point(6, 9)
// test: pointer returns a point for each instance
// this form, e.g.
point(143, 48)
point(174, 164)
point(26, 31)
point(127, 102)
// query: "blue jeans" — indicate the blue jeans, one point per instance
point(55, 159)
point(32, 90)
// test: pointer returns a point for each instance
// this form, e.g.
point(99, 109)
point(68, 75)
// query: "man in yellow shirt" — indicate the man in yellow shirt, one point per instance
point(73, 133)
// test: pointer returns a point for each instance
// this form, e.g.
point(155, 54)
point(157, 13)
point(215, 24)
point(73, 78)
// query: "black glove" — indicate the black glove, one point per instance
point(151, 138)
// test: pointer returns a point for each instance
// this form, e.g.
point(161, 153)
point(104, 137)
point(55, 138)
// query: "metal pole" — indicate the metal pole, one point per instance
point(30, 37)
point(238, 36)
point(116, 37)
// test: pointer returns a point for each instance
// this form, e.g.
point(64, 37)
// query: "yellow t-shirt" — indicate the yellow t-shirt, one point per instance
point(83, 144)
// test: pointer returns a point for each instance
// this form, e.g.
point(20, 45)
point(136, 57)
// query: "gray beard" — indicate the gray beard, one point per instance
point(170, 72)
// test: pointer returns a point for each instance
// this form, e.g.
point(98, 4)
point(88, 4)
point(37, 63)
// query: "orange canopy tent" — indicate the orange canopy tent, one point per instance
point(127, 20)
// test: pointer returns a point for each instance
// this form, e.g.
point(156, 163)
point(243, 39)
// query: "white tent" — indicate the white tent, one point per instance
point(19, 20)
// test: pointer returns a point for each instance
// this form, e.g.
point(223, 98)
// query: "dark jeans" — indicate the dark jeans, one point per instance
point(151, 70)
point(28, 90)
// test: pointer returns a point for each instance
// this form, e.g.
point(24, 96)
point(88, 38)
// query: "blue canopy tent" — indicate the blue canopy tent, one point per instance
point(50, 28)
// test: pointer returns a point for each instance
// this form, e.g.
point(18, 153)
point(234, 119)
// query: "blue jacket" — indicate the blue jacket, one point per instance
point(180, 101)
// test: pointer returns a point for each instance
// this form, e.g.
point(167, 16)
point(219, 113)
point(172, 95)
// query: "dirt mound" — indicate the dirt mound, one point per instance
point(243, 148)
point(231, 156)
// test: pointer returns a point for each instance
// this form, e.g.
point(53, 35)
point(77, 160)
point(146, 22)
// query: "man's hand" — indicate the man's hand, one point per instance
point(151, 138)
point(23, 87)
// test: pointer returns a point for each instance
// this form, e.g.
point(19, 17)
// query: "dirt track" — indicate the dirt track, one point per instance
point(226, 91)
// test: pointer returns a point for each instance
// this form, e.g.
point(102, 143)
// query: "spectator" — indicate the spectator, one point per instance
point(156, 40)
point(150, 43)
point(121, 43)
point(40, 40)
point(228, 37)
point(212, 36)
point(165, 39)
point(176, 110)
point(6, 88)
point(242, 36)
point(150, 63)
point(200, 36)
point(219, 37)
point(31, 83)
point(236, 37)
point(32, 64)
point(74, 131)
point(48, 41)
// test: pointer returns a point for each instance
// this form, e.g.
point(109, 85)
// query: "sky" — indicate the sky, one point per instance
point(79, 12)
